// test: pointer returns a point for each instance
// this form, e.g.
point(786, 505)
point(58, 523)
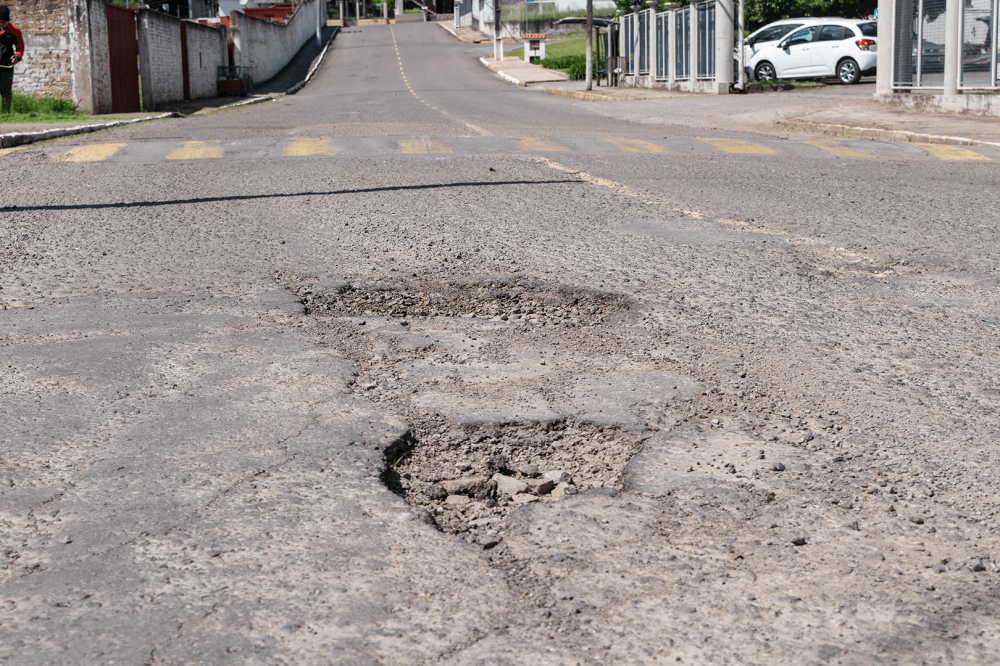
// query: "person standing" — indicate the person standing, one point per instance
point(11, 53)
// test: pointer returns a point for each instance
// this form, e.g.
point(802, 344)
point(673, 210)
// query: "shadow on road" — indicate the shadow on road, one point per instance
point(250, 197)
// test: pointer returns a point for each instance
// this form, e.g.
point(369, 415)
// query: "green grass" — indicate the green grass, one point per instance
point(572, 47)
point(28, 109)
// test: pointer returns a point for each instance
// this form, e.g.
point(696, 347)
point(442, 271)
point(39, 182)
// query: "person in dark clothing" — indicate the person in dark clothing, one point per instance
point(11, 53)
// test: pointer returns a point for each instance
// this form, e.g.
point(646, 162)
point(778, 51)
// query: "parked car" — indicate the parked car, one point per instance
point(769, 35)
point(844, 48)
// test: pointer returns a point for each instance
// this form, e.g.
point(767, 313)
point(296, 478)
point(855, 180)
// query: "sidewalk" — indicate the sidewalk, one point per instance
point(513, 70)
point(465, 34)
point(849, 112)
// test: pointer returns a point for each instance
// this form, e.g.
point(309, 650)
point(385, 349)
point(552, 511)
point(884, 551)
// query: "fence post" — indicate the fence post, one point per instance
point(952, 46)
point(725, 27)
point(887, 44)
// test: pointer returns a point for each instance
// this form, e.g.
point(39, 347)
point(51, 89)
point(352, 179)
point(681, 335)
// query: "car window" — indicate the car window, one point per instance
point(834, 33)
point(775, 32)
point(803, 36)
point(868, 29)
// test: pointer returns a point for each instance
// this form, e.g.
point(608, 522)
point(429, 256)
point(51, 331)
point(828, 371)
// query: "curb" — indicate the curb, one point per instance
point(506, 77)
point(590, 96)
point(312, 70)
point(454, 34)
point(24, 138)
point(872, 134)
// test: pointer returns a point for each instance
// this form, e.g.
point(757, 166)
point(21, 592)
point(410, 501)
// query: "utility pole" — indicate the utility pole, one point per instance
point(497, 40)
point(743, 58)
point(589, 77)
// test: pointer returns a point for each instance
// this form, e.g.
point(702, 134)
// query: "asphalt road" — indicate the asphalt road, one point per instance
point(285, 385)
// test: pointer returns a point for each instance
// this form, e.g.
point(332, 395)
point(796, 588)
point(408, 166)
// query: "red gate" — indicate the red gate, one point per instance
point(123, 47)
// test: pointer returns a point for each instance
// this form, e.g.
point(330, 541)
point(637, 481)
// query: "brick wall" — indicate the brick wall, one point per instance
point(47, 66)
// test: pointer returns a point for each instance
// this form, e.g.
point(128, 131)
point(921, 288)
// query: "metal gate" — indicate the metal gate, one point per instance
point(123, 48)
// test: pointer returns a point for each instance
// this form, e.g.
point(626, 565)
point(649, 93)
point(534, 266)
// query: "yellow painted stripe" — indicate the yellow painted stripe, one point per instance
point(303, 147)
point(945, 152)
point(422, 146)
point(95, 152)
point(7, 151)
point(739, 147)
point(539, 146)
point(839, 149)
point(196, 150)
point(637, 146)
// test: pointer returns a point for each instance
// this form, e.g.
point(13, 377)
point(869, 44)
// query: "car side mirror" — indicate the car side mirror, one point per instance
point(750, 43)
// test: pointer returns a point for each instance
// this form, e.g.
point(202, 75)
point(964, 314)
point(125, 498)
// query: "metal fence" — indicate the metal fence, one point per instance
point(643, 41)
point(682, 43)
point(918, 44)
point(629, 44)
point(706, 40)
point(662, 46)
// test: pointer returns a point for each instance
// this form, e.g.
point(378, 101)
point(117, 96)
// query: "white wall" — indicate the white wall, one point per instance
point(207, 49)
point(267, 47)
point(160, 65)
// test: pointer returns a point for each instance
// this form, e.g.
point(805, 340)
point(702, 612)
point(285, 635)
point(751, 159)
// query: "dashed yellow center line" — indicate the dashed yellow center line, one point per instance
point(530, 145)
point(305, 147)
point(196, 150)
point(95, 152)
point(839, 149)
point(739, 147)
point(637, 146)
point(422, 147)
point(946, 152)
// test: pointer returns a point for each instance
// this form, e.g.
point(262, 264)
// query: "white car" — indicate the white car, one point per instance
point(769, 35)
point(845, 48)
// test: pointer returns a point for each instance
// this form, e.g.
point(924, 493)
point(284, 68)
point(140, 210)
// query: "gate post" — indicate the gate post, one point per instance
point(725, 27)
point(887, 46)
point(952, 47)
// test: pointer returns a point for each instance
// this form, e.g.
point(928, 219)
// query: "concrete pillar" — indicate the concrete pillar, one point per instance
point(340, 7)
point(725, 25)
point(952, 47)
point(398, 7)
point(671, 44)
point(883, 76)
point(320, 19)
point(654, 6)
point(692, 37)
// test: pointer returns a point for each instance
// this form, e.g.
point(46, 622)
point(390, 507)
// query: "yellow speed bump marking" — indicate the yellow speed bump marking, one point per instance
point(304, 147)
point(839, 149)
point(422, 146)
point(637, 146)
point(539, 146)
point(739, 147)
point(196, 150)
point(946, 152)
point(7, 151)
point(95, 152)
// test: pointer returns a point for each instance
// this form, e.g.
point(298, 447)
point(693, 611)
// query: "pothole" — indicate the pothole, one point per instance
point(503, 298)
point(470, 479)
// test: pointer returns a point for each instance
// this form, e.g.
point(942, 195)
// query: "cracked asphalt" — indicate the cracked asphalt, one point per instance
point(303, 409)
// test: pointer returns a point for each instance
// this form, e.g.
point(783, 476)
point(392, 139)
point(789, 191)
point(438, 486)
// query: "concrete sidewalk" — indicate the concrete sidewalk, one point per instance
point(514, 70)
point(835, 110)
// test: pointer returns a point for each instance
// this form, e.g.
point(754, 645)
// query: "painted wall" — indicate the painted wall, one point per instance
point(159, 58)
point(161, 65)
point(207, 49)
point(266, 47)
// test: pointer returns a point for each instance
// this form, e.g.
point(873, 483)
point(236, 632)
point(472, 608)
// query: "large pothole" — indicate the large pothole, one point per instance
point(471, 478)
point(518, 390)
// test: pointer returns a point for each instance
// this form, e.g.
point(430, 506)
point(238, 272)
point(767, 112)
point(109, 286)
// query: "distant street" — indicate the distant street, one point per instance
point(417, 366)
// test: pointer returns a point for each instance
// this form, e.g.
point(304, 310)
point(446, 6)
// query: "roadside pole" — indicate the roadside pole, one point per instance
point(589, 76)
point(497, 41)
point(952, 46)
point(742, 36)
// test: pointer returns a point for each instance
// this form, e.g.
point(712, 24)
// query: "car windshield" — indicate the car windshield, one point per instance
point(775, 32)
point(868, 29)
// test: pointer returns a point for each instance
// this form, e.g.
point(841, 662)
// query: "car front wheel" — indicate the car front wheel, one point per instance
point(765, 72)
point(848, 72)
